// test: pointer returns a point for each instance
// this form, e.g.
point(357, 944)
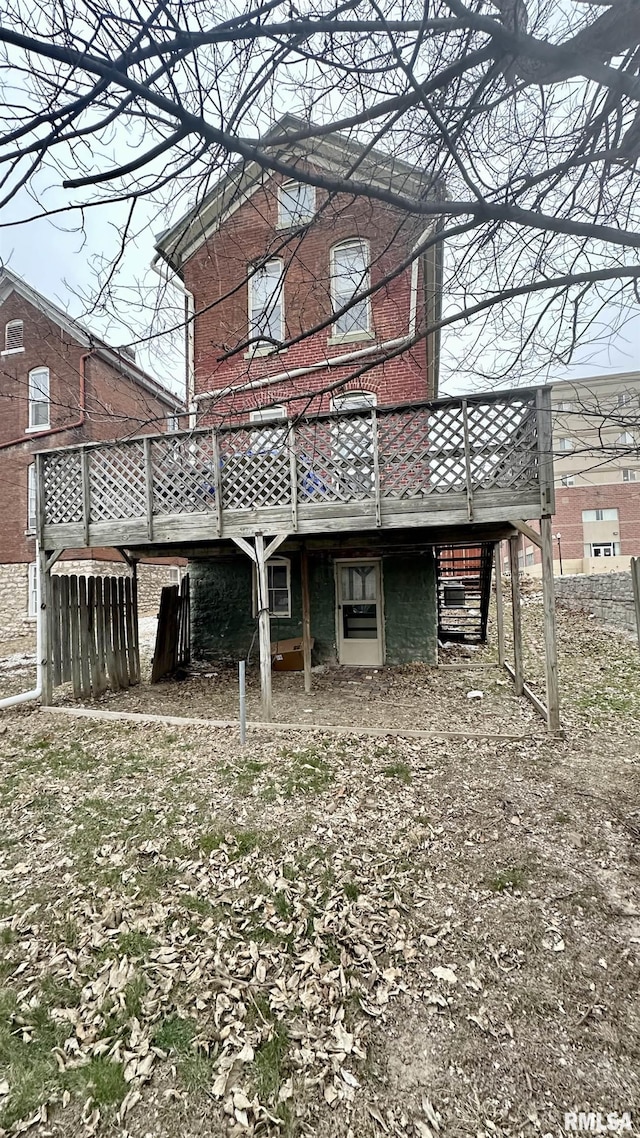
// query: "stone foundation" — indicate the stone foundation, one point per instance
point(606, 596)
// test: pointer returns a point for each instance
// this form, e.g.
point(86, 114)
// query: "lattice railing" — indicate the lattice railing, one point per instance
point(454, 446)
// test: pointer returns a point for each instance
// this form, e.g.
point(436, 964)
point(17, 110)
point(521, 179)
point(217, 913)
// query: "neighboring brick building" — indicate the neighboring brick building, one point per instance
point(596, 427)
point(265, 261)
point(59, 385)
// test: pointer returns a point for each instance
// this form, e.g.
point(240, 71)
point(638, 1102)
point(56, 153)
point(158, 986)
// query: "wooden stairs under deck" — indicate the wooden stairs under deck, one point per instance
point(467, 572)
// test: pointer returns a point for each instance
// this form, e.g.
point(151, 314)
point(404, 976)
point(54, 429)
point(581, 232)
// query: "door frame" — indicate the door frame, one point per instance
point(337, 564)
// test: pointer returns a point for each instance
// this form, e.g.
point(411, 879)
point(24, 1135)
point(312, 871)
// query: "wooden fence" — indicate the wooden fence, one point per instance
point(94, 633)
point(173, 649)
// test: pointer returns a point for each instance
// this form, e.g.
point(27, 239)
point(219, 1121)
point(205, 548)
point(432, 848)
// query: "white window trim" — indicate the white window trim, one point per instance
point(354, 401)
point(335, 336)
point(567, 480)
point(561, 444)
point(32, 519)
point(32, 591)
point(626, 439)
point(294, 223)
point(260, 349)
point(629, 474)
point(276, 414)
point(32, 402)
point(280, 561)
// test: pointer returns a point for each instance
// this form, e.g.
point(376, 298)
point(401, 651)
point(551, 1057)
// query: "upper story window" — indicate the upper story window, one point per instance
point(565, 444)
point(354, 401)
point(296, 203)
point(31, 496)
point(604, 515)
point(38, 398)
point(349, 277)
point(565, 405)
point(629, 475)
point(266, 301)
point(14, 336)
point(624, 399)
point(173, 423)
point(626, 439)
point(268, 414)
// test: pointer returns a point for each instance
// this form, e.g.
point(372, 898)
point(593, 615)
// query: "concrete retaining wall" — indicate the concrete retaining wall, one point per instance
point(606, 596)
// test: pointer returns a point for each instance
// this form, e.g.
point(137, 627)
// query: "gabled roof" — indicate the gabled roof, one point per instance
point(117, 358)
point(333, 153)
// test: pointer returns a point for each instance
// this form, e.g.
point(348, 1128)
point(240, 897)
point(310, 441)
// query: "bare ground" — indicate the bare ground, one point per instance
point(326, 936)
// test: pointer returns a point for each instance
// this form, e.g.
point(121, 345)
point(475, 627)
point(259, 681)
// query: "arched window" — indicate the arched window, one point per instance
point(14, 336)
point(38, 398)
point(354, 401)
point(350, 276)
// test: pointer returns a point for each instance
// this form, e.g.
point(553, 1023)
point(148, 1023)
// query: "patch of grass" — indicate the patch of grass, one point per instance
point(514, 878)
point(135, 943)
point(270, 1062)
point(134, 994)
point(209, 841)
point(399, 770)
point(175, 1034)
point(351, 890)
point(7, 936)
point(246, 841)
point(196, 1072)
point(26, 1043)
point(55, 993)
point(561, 817)
point(305, 771)
point(197, 904)
point(283, 906)
point(102, 1079)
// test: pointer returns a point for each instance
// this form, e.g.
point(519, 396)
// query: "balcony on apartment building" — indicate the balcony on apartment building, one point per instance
point(482, 458)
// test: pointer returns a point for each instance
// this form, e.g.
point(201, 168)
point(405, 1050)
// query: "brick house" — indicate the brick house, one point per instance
point(59, 385)
point(265, 260)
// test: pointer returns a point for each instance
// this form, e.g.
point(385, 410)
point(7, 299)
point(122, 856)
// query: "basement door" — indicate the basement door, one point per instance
point(359, 613)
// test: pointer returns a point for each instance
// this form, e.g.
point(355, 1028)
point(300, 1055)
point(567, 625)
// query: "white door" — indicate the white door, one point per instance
point(359, 616)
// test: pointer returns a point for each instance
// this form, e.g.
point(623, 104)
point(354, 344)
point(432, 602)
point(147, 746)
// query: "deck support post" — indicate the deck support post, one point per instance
point(45, 624)
point(497, 557)
point(550, 646)
point(306, 619)
point(260, 554)
point(514, 544)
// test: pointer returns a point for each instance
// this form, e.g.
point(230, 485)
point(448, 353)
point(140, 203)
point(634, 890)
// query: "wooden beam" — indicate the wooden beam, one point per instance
point(550, 646)
point(52, 557)
point(529, 694)
point(45, 616)
point(274, 544)
point(306, 620)
point(245, 547)
point(514, 543)
point(528, 532)
point(264, 626)
point(467, 459)
point(497, 557)
point(148, 484)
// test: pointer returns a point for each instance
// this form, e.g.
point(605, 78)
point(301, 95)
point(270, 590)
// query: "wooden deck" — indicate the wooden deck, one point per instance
point(483, 458)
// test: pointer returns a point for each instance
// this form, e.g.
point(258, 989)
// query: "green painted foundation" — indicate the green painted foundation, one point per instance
point(223, 625)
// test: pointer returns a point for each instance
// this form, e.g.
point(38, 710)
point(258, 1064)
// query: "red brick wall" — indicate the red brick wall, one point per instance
point(216, 275)
point(115, 406)
point(567, 520)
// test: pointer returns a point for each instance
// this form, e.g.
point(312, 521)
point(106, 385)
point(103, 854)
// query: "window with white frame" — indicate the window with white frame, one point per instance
point(39, 398)
point(31, 496)
point(602, 549)
point(349, 277)
point(610, 515)
point(296, 203)
point(266, 301)
point(32, 595)
point(565, 444)
point(14, 336)
point(624, 398)
point(173, 423)
point(629, 475)
point(278, 587)
point(268, 414)
point(565, 405)
point(626, 439)
point(567, 480)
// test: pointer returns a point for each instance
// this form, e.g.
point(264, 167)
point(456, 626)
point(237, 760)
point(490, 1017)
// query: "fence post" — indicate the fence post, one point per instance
point(635, 579)
point(243, 710)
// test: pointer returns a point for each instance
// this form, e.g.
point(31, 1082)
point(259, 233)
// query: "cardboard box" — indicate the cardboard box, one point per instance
point(287, 655)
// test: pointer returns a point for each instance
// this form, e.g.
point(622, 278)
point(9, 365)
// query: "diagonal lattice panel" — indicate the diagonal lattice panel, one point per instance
point(335, 459)
point(62, 488)
point(183, 474)
point(403, 449)
point(446, 450)
point(255, 467)
point(117, 482)
point(503, 444)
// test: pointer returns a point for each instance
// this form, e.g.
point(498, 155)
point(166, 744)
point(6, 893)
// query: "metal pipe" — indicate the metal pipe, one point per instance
point(243, 708)
point(36, 692)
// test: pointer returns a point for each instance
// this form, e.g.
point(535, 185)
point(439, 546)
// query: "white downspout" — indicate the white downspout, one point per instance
point(335, 361)
point(36, 692)
point(189, 324)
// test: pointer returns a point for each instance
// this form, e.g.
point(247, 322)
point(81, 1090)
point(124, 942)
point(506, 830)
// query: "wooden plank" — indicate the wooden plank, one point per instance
point(306, 619)
point(376, 464)
point(497, 559)
point(148, 486)
point(135, 642)
point(528, 532)
point(529, 694)
point(122, 632)
point(468, 474)
point(550, 647)
point(514, 545)
point(110, 656)
point(45, 618)
point(65, 629)
point(101, 660)
point(130, 632)
point(83, 627)
point(293, 476)
point(217, 479)
point(264, 627)
point(74, 627)
point(86, 495)
point(544, 425)
point(56, 634)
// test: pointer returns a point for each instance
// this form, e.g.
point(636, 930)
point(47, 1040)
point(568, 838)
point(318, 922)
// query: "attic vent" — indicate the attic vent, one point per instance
point(13, 336)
